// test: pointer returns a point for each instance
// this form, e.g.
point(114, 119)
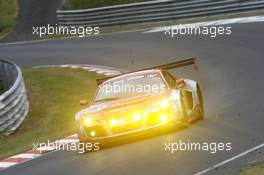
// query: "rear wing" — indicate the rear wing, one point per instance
point(168, 66)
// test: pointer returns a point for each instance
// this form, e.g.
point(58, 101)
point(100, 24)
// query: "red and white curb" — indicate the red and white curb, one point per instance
point(36, 152)
point(39, 151)
point(108, 71)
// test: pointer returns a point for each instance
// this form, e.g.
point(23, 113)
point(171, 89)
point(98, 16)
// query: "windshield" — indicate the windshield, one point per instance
point(131, 86)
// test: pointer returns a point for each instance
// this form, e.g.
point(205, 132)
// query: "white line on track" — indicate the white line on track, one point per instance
point(229, 160)
point(7, 164)
point(47, 148)
point(26, 155)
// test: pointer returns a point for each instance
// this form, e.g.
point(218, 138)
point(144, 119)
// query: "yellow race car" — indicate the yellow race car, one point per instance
point(140, 101)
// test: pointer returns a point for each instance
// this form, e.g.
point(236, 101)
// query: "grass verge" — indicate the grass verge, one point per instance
point(8, 14)
point(54, 95)
point(84, 4)
point(255, 169)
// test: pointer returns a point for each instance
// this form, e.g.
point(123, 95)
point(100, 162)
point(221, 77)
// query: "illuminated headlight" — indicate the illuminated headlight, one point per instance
point(137, 117)
point(163, 118)
point(92, 133)
point(86, 121)
point(112, 122)
point(165, 104)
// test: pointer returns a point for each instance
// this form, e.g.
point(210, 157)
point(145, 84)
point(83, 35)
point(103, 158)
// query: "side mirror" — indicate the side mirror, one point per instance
point(83, 102)
point(180, 83)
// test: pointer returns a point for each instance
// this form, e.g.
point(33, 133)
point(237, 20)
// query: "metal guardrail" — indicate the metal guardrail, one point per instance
point(14, 103)
point(154, 11)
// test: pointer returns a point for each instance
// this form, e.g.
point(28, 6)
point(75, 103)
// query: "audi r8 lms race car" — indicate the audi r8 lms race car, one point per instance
point(139, 101)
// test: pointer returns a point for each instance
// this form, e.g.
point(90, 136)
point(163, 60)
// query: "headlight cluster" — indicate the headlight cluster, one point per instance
point(87, 120)
point(159, 112)
point(137, 117)
point(112, 122)
point(133, 118)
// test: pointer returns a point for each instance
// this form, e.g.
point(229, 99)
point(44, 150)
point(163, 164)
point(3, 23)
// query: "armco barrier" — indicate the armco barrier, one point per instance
point(154, 11)
point(14, 103)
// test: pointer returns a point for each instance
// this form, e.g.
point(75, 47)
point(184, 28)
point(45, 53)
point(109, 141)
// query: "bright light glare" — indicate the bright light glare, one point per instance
point(164, 104)
point(112, 122)
point(92, 133)
point(163, 118)
point(136, 117)
point(87, 121)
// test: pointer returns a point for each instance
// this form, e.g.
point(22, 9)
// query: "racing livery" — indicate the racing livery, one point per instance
point(139, 101)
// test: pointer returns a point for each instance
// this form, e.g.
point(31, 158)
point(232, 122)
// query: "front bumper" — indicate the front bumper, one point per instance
point(104, 132)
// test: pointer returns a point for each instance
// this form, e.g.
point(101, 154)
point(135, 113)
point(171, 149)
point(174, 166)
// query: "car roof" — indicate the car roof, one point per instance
point(143, 72)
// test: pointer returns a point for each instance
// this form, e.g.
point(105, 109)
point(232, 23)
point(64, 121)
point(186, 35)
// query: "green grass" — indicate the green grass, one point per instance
point(84, 4)
point(8, 14)
point(54, 95)
point(257, 168)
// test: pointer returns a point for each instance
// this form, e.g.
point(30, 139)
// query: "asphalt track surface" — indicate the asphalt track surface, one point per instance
point(33, 13)
point(231, 77)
